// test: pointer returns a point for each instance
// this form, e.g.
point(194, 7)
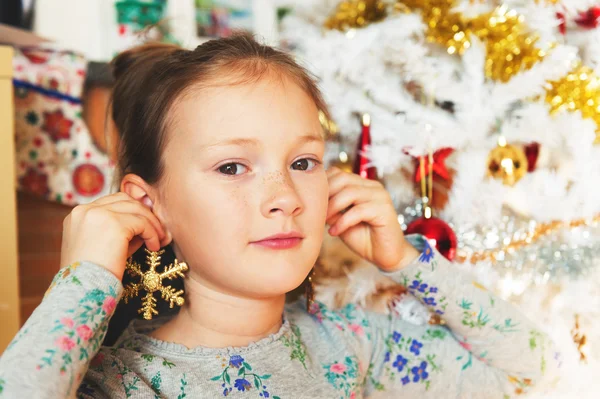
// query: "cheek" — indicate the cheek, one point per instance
point(316, 200)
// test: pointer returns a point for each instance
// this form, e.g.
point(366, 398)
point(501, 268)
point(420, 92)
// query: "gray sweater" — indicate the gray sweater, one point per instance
point(487, 349)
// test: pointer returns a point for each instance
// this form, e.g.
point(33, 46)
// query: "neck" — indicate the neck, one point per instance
point(213, 319)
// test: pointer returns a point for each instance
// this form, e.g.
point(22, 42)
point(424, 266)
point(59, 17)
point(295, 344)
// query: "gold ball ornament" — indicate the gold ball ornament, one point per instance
point(507, 163)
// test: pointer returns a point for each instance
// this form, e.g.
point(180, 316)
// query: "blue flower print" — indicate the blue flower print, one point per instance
point(242, 384)
point(405, 380)
point(396, 336)
point(433, 290)
point(439, 311)
point(236, 361)
point(264, 394)
point(423, 287)
point(429, 301)
point(387, 357)
point(427, 254)
point(419, 372)
point(415, 347)
point(245, 374)
point(415, 284)
point(400, 362)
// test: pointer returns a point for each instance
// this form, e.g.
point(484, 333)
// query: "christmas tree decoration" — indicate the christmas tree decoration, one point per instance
point(510, 46)
point(578, 91)
point(152, 281)
point(356, 14)
point(507, 163)
point(532, 153)
point(361, 162)
point(329, 127)
point(589, 19)
point(536, 243)
point(437, 232)
point(580, 339)
point(343, 162)
point(438, 165)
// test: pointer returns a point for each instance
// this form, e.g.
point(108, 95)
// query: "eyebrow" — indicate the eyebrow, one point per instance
point(307, 138)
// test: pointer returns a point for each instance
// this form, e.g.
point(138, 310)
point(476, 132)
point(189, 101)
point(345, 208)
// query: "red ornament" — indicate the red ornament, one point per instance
point(438, 166)
point(532, 152)
point(88, 180)
point(361, 162)
point(56, 125)
point(562, 26)
point(437, 232)
point(589, 19)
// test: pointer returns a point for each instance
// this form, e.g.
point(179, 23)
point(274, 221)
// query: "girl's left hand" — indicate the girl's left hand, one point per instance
point(361, 213)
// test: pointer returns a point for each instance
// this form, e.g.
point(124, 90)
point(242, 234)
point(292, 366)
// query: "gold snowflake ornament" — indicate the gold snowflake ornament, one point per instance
point(152, 281)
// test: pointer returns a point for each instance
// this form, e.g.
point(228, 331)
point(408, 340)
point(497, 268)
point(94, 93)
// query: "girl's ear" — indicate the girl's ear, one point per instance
point(138, 189)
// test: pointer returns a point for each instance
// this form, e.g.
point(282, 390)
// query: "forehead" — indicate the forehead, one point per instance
point(273, 107)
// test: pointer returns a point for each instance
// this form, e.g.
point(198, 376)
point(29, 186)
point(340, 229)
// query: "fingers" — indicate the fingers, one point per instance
point(140, 226)
point(357, 214)
point(339, 179)
point(349, 196)
point(123, 203)
point(136, 208)
point(120, 196)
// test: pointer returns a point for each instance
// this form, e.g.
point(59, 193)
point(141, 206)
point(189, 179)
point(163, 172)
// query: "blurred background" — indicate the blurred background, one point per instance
point(481, 117)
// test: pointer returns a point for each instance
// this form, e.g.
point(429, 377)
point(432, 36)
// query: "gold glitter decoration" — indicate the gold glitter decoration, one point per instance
point(580, 339)
point(152, 281)
point(507, 162)
point(579, 90)
point(343, 162)
point(540, 230)
point(329, 126)
point(509, 44)
point(356, 14)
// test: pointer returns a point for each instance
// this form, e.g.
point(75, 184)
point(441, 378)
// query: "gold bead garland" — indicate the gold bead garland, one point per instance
point(541, 229)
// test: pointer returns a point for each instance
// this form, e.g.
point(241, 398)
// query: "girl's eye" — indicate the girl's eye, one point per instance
point(232, 169)
point(305, 164)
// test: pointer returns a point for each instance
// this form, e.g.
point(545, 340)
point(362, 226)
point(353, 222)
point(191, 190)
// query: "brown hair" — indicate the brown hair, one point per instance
point(150, 79)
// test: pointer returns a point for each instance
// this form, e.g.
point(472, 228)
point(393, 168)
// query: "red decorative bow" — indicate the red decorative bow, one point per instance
point(438, 166)
point(589, 19)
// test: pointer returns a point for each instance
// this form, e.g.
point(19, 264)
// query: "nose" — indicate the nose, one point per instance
point(281, 196)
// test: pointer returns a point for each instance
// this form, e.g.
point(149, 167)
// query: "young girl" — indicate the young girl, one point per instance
point(220, 153)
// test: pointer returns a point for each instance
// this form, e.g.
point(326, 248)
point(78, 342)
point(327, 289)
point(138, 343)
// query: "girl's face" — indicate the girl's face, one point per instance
point(244, 163)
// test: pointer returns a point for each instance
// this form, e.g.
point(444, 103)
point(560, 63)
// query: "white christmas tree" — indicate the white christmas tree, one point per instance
point(513, 89)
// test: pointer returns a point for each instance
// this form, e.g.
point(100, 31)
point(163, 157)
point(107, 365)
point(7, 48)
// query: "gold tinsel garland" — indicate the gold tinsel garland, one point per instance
point(510, 46)
point(578, 91)
point(356, 14)
point(542, 229)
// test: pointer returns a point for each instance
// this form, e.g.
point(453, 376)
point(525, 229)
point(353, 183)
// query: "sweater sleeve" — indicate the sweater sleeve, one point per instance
point(486, 348)
point(49, 356)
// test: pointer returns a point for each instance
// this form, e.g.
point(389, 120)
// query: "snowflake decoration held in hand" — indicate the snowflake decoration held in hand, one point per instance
point(152, 281)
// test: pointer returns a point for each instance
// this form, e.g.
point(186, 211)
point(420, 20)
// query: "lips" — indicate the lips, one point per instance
point(280, 241)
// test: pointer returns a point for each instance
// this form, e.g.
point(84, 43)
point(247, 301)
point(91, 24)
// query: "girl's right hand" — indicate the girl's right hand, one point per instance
point(108, 231)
